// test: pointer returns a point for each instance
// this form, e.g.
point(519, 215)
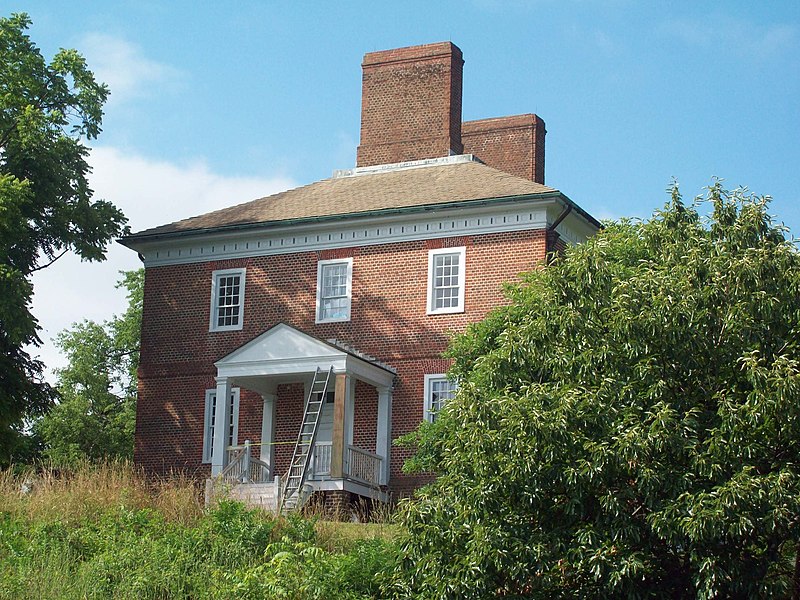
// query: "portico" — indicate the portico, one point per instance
point(286, 355)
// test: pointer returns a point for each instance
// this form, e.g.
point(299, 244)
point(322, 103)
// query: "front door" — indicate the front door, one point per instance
point(321, 459)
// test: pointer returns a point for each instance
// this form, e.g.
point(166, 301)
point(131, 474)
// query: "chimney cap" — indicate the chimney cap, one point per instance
point(412, 53)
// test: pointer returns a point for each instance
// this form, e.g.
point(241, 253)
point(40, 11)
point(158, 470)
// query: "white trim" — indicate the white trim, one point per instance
point(212, 318)
point(268, 423)
point(461, 251)
point(209, 418)
point(320, 267)
point(364, 231)
point(383, 435)
point(284, 350)
point(426, 401)
point(452, 159)
point(324, 485)
point(349, 409)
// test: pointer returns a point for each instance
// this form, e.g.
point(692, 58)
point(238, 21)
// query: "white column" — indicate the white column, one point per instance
point(349, 414)
point(268, 431)
point(222, 417)
point(383, 437)
point(349, 409)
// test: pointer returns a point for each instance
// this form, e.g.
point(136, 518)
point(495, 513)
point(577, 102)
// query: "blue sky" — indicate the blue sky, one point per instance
point(218, 103)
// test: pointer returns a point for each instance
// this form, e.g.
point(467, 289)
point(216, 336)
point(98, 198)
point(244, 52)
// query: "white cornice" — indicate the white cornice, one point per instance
point(454, 159)
point(364, 231)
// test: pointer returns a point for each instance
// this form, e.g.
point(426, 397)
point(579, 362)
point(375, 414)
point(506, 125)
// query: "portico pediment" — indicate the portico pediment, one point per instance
point(284, 351)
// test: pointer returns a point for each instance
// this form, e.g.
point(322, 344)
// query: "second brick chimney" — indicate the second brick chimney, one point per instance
point(411, 104)
point(512, 144)
point(411, 110)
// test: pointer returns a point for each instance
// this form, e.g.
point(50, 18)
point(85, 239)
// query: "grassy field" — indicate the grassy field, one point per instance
point(105, 532)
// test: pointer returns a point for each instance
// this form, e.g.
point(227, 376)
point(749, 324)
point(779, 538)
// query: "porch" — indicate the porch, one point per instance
point(307, 387)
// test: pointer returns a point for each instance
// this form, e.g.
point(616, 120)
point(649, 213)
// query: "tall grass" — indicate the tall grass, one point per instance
point(71, 495)
point(105, 531)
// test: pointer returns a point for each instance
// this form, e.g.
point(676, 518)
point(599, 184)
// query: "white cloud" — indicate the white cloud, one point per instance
point(150, 193)
point(123, 66)
point(154, 192)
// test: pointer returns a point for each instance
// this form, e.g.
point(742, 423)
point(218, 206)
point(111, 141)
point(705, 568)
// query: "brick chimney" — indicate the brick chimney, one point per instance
point(411, 110)
point(511, 144)
point(410, 104)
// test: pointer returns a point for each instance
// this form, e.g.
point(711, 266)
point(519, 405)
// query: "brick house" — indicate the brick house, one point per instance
point(320, 313)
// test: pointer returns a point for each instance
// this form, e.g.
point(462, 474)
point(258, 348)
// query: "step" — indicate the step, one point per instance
point(256, 495)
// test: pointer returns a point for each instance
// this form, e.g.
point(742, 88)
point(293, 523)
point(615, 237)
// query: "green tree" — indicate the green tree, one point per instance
point(629, 426)
point(47, 112)
point(96, 414)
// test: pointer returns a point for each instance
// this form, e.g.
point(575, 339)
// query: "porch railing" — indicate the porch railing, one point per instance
point(243, 467)
point(363, 466)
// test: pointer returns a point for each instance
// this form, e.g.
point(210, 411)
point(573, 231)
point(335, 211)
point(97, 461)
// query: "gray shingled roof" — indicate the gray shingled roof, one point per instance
point(404, 188)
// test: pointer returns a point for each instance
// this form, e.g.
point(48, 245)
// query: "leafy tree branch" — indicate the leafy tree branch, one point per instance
point(48, 110)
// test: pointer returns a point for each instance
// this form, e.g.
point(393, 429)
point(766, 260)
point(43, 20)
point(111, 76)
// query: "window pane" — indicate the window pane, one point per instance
point(334, 280)
point(334, 308)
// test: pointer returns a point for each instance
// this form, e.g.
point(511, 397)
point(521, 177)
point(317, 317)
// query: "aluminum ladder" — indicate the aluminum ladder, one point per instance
point(298, 468)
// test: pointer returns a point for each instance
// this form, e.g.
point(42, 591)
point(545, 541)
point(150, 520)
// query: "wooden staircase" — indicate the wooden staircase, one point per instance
point(294, 495)
point(245, 478)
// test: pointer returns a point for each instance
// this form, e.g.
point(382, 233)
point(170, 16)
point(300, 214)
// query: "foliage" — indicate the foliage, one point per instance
point(629, 426)
point(96, 413)
point(47, 110)
point(129, 547)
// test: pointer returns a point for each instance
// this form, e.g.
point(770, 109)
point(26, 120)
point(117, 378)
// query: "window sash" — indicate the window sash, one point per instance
point(446, 270)
point(334, 284)
point(438, 391)
point(446, 280)
point(227, 299)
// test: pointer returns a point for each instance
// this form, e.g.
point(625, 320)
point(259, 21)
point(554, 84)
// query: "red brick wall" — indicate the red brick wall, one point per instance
point(365, 416)
point(169, 422)
point(511, 144)
point(251, 409)
point(289, 407)
point(388, 321)
point(410, 104)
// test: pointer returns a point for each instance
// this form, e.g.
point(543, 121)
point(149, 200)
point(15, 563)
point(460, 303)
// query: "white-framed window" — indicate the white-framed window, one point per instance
point(208, 425)
point(227, 300)
point(334, 289)
point(438, 390)
point(446, 280)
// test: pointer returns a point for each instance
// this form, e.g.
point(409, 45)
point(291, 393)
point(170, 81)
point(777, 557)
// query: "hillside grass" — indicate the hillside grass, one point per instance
point(105, 531)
